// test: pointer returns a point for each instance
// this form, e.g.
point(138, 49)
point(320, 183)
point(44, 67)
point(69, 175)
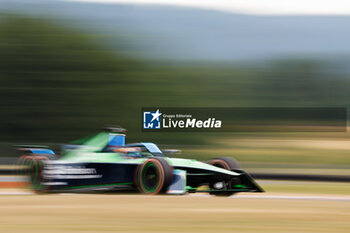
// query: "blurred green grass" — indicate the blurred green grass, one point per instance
point(272, 155)
point(296, 149)
point(58, 84)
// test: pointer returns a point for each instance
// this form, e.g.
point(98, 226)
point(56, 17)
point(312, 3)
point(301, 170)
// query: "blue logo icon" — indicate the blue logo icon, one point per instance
point(151, 120)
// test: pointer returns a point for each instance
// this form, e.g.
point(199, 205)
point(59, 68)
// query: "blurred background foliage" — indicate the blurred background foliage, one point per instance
point(59, 84)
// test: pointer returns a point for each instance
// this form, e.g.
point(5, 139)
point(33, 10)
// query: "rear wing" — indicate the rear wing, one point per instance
point(33, 149)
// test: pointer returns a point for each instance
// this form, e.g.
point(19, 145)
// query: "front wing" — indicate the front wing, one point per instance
point(60, 176)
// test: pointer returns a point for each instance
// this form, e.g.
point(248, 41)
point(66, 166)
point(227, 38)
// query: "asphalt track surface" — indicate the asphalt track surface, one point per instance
point(238, 196)
point(15, 180)
point(260, 212)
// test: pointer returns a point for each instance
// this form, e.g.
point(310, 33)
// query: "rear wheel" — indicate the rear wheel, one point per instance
point(23, 165)
point(227, 163)
point(24, 162)
point(37, 174)
point(153, 176)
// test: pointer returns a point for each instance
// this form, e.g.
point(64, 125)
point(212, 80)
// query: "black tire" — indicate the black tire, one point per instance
point(227, 163)
point(23, 163)
point(153, 176)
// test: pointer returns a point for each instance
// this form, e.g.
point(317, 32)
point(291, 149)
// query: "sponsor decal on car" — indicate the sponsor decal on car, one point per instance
point(70, 172)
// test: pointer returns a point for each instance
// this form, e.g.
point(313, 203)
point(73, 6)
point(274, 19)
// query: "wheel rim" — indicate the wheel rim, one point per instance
point(150, 177)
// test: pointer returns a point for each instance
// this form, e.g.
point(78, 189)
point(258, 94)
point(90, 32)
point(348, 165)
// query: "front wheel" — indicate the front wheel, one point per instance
point(227, 163)
point(153, 176)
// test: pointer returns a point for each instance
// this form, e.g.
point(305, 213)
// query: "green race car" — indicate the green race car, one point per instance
point(105, 163)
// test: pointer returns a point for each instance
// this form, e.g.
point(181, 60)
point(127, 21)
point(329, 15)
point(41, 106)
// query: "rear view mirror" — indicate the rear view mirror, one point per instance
point(169, 152)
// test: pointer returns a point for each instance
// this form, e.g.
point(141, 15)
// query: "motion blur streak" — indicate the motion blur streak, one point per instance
point(68, 68)
point(295, 7)
point(65, 72)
